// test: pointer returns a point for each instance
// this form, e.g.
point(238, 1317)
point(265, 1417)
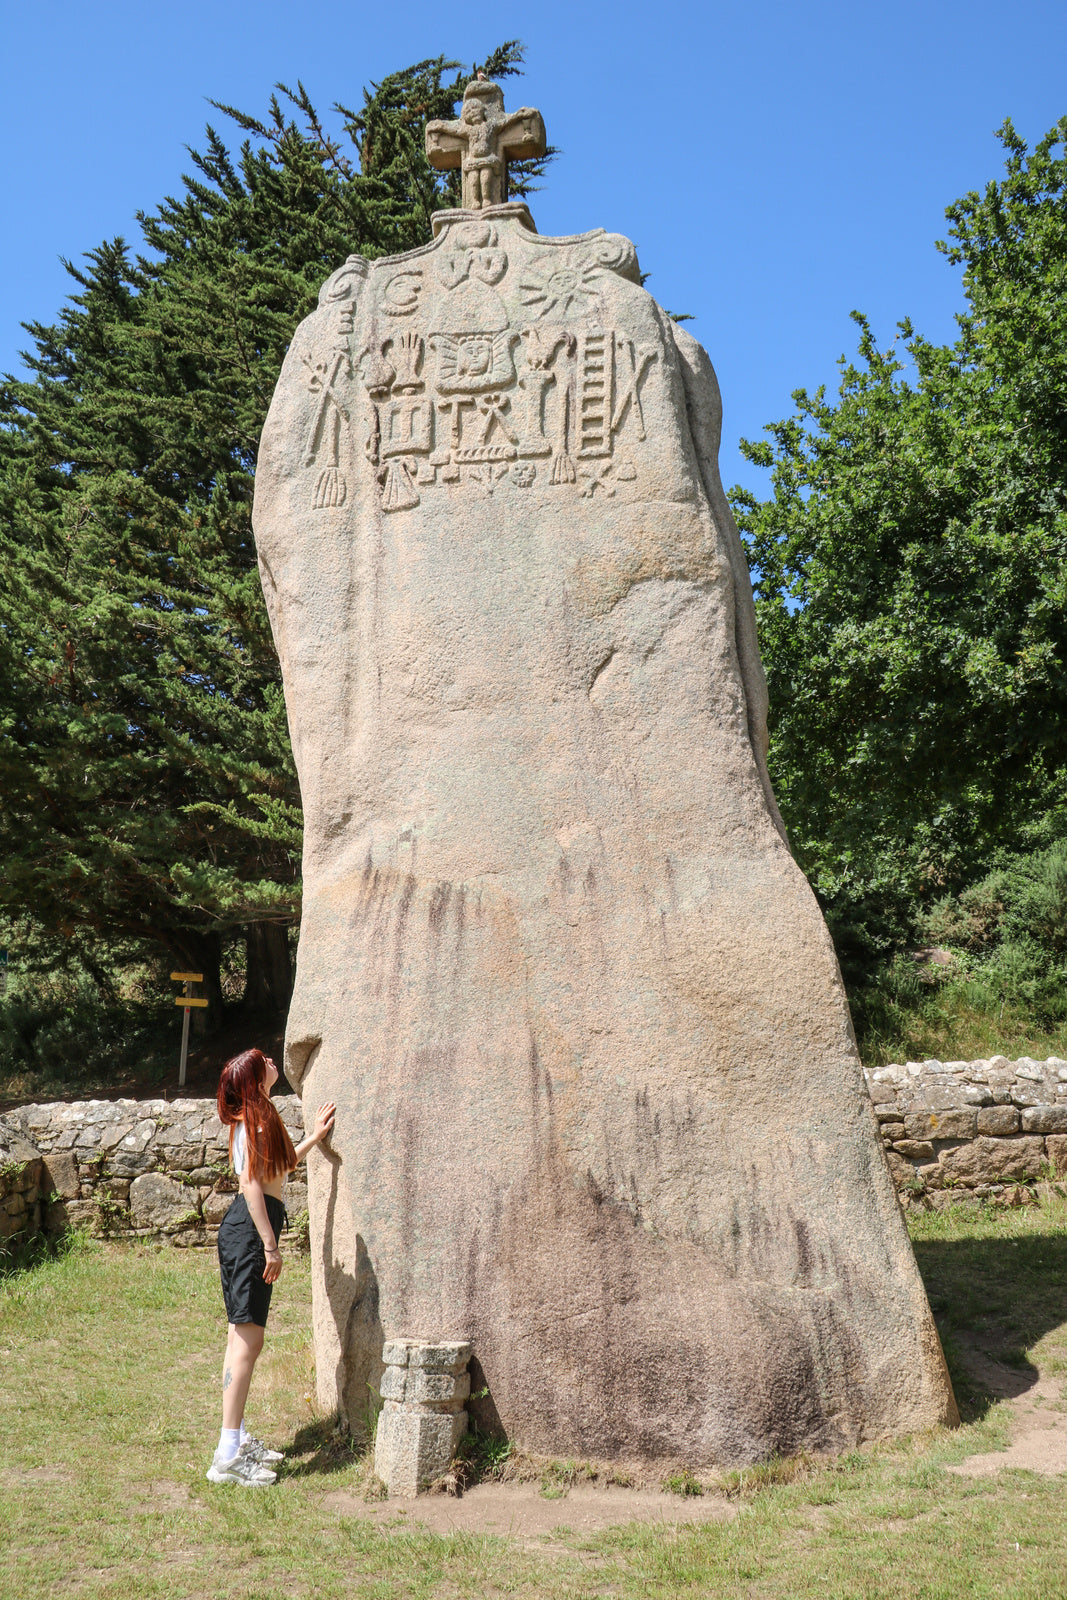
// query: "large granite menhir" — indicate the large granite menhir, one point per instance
point(600, 1111)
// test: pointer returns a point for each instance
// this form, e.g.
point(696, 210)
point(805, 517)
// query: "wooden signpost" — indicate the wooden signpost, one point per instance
point(187, 1001)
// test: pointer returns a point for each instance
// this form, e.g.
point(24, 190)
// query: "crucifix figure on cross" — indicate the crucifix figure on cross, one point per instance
point(482, 140)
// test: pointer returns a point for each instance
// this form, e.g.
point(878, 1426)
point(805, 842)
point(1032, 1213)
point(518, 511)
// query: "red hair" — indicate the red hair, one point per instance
point(243, 1098)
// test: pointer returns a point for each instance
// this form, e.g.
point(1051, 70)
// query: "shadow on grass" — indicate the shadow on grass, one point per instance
point(993, 1299)
point(323, 1447)
point(23, 1254)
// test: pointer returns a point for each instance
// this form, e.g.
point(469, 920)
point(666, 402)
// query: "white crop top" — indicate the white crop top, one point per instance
point(240, 1149)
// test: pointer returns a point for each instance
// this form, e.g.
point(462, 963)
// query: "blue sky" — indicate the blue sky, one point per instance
point(776, 164)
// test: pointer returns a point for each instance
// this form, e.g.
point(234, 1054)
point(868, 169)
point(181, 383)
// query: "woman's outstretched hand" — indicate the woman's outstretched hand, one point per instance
point(324, 1121)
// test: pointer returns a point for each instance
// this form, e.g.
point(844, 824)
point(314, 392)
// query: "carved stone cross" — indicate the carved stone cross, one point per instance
point(481, 142)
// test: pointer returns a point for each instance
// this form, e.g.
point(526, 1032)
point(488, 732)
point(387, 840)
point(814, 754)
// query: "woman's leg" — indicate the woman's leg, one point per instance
point(243, 1345)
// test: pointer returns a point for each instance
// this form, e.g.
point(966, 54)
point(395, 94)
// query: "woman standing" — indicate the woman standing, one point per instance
point(262, 1155)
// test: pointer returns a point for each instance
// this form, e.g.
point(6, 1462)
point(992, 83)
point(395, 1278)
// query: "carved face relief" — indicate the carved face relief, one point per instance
point(470, 362)
point(474, 357)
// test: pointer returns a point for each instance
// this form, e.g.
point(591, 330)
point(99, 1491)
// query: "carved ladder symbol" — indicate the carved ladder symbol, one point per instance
point(594, 393)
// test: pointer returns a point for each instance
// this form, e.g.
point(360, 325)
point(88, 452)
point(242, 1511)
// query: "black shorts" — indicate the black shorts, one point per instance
point(242, 1259)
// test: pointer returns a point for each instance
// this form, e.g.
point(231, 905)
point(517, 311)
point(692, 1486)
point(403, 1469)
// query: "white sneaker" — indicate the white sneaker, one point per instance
point(242, 1469)
point(259, 1451)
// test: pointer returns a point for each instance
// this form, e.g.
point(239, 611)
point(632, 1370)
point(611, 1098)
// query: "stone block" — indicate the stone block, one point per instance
point(191, 1238)
point(430, 1355)
point(1034, 1096)
point(891, 1131)
point(951, 1124)
point(1027, 1067)
point(998, 1120)
point(81, 1214)
point(985, 1160)
point(216, 1206)
point(185, 1158)
point(1056, 1146)
point(138, 1139)
point(888, 1112)
point(942, 1199)
point(1045, 1119)
point(943, 1099)
point(413, 1448)
point(882, 1093)
point(416, 1387)
point(114, 1134)
point(932, 1175)
point(423, 1389)
point(915, 1149)
point(158, 1202)
point(902, 1172)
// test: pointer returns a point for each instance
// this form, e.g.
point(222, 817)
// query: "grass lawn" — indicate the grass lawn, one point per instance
point(109, 1369)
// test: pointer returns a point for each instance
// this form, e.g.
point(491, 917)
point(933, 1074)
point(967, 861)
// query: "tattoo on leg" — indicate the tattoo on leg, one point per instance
point(227, 1378)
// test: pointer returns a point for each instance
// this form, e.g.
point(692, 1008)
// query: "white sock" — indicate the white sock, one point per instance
point(229, 1443)
point(245, 1435)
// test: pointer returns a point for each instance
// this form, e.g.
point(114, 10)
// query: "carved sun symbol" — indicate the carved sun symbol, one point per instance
point(552, 286)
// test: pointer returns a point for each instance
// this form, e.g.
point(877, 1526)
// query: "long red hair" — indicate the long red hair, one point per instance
point(243, 1098)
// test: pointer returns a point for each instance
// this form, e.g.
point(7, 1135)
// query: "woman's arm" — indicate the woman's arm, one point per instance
point(323, 1127)
point(252, 1190)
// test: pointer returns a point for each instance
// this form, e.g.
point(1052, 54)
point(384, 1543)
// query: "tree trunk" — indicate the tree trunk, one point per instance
point(269, 971)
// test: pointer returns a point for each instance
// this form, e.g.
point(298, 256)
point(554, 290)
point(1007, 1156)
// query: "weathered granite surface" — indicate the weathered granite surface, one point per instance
point(423, 1389)
point(600, 1111)
point(146, 1169)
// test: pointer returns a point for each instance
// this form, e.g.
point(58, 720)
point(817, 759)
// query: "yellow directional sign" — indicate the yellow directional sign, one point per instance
point(187, 977)
point(187, 1000)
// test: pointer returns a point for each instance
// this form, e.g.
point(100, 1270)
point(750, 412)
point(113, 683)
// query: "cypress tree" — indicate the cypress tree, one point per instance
point(148, 800)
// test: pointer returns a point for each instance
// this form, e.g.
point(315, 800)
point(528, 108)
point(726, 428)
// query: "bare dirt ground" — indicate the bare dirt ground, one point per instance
point(520, 1510)
point(1039, 1419)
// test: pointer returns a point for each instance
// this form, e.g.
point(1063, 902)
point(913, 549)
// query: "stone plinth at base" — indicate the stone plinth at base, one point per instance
point(422, 1420)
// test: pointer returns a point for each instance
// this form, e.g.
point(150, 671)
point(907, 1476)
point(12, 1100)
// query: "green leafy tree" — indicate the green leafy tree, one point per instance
point(148, 799)
point(911, 577)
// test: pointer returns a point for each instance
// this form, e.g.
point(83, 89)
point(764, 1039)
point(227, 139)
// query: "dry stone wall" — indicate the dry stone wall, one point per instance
point(21, 1176)
point(140, 1169)
point(158, 1169)
point(971, 1129)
